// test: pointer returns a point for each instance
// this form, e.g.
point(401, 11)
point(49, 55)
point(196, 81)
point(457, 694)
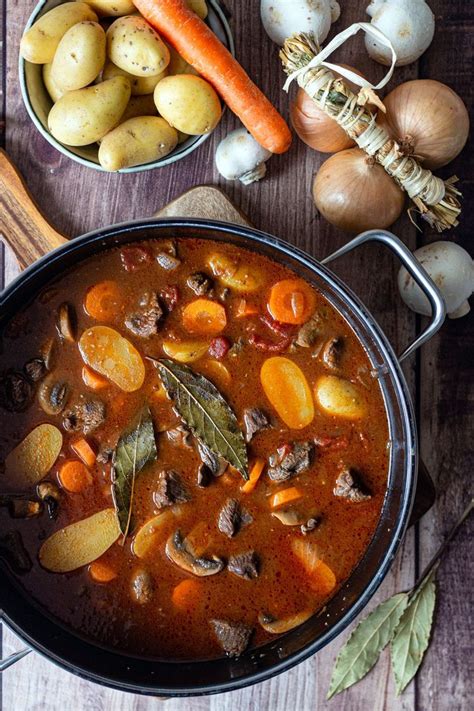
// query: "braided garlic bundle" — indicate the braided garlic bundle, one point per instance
point(436, 200)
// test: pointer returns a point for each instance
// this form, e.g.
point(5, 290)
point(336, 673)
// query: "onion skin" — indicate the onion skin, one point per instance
point(356, 194)
point(428, 119)
point(315, 128)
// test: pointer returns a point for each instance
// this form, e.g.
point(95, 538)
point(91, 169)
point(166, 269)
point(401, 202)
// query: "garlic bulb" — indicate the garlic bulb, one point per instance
point(283, 18)
point(408, 24)
point(355, 194)
point(452, 270)
point(240, 157)
point(428, 120)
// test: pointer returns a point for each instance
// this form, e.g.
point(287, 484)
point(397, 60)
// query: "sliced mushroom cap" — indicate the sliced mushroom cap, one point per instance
point(289, 517)
point(273, 626)
point(48, 352)
point(67, 323)
point(181, 553)
point(53, 395)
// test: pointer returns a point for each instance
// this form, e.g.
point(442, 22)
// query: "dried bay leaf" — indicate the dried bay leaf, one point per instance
point(135, 448)
point(370, 637)
point(413, 633)
point(205, 412)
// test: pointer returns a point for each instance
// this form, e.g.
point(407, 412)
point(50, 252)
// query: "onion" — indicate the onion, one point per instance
point(428, 120)
point(315, 127)
point(355, 194)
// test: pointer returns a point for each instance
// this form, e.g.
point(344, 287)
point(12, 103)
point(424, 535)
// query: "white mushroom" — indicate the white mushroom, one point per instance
point(283, 18)
point(452, 270)
point(240, 157)
point(408, 24)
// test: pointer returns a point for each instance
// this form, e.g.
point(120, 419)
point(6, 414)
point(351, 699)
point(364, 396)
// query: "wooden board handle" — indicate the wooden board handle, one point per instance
point(22, 225)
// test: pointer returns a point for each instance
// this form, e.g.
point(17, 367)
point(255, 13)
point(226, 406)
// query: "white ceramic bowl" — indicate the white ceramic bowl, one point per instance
point(38, 102)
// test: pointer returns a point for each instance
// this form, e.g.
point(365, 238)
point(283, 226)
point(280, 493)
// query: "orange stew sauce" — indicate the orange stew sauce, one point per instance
point(268, 342)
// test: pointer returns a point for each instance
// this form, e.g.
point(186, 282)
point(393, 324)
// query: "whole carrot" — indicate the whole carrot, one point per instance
point(200, 47)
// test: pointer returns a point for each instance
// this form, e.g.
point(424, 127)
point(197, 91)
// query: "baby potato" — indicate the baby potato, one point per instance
point(234, 273)
point(139, 140)
point(140, 106)
point(112, 8)
point(80, 56)
point(51, 87)
point(178, 65)
point(340, 397)
point(199, 7)
point(84, 116)
point(188, 103)
point(135, 46)
point(40, 42)
point(140, 85)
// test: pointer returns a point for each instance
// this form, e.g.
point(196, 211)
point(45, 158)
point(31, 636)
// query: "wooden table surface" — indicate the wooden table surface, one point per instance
point(76, 199)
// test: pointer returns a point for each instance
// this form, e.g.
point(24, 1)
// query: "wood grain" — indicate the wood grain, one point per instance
point(76, 199)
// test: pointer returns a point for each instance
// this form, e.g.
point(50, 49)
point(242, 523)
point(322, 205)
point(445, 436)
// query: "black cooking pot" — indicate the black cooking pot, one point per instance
point(81, 656)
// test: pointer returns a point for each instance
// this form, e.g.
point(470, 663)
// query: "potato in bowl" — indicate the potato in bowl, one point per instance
point(46, 84)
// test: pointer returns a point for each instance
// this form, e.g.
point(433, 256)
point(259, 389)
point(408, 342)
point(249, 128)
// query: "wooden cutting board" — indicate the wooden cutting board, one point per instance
point(30, 236)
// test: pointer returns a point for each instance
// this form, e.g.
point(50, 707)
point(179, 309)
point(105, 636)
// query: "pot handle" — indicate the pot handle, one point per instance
point(414, 268)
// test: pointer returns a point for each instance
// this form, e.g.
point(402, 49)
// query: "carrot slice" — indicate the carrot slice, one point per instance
point(244, 309)
point(84, 451)
point(285, 496)
point(74, 476)
point(102, 572)
point(254, 476)
point(93, 380)
point(201, 48)
point(103, 300)
point(204, 317)
point(291, 301)
point(185, 595)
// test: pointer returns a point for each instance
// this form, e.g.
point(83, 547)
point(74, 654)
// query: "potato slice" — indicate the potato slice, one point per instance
point(112, 355)
point(340, 398)
point(80, 543)
point(32, 459)
point(234, 274)
point(151, 533)
point(285, 385)
point(185, 351)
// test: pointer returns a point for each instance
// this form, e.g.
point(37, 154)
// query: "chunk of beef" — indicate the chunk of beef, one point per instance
point(15, 392)
point(167, 261)
point(309, 332)
point(310, 525)
point(255, 420)
point(232, 517)
point(13, 550)
point(200, 283)
point(86, 417)
point(232, 636)
point(105, 455)
point(180, 436)
point(289, 460)
point(170, 490)
point(142, 587)
point(348, 486)
point(219, 347)
point(332, 352)
point(147, 320)
point(204, 476)
point(216, 464)
point(245, 565)
point(170, 296)
point(136, 257)
point(35, 369)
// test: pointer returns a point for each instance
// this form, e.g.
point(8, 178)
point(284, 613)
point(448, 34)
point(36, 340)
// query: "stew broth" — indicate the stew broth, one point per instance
point(338, 468)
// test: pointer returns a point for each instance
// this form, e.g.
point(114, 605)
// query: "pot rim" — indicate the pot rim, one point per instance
point(105, 237)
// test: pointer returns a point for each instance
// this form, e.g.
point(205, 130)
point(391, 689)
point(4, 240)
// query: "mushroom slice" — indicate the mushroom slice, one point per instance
point(67, 323)
point(53, 395)
point(289, 517)
point(273, 626)
point(181, 553)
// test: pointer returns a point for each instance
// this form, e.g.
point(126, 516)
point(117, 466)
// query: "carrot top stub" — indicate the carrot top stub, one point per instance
point(201, 48)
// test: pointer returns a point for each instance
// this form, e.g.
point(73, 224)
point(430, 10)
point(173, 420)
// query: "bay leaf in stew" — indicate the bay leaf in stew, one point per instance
point(205, 412)
point(135, 448)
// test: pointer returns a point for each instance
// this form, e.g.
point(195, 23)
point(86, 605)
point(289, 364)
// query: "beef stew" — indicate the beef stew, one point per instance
point(195, 555)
